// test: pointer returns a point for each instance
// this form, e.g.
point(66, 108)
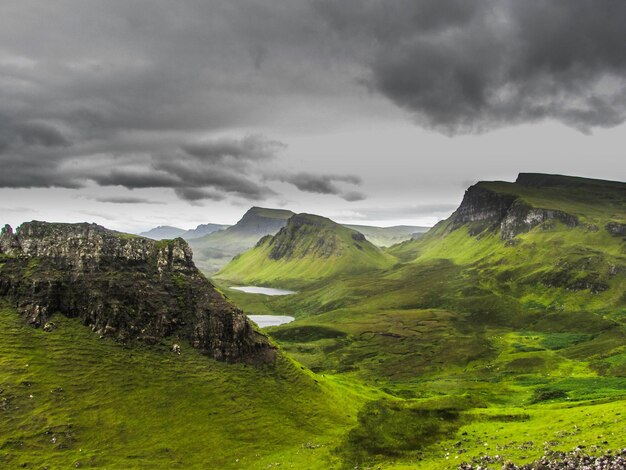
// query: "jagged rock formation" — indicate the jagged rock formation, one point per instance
point(485, 208)
point(122, 286)
point(615, 228)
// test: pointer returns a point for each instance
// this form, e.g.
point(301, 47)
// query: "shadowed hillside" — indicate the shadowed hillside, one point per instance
point(213, 251)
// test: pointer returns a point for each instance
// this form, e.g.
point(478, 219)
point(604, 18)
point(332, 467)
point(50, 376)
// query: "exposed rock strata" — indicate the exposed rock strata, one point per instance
point(124, 287)
point(485, 209)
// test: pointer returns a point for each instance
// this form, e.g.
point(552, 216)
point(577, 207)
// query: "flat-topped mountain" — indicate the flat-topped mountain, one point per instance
point(307, 249)
point(542, 239)
point(213, 251)
point(122, 286)
point(537, 199)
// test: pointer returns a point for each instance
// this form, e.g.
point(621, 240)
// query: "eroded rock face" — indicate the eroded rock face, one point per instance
point(124, 287)
point(615, 228)
point(484, 210)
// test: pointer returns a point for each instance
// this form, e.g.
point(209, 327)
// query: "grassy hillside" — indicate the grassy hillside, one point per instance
point(387, 236)
point(69, 399)
point(215, 250)
point(495, 331)
point(308, 249)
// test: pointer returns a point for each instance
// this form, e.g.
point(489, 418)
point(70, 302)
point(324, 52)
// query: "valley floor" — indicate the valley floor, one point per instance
point(450, 393)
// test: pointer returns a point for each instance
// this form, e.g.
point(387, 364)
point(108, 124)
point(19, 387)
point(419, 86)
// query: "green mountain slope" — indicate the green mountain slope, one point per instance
point(511, 315)
point(213, 251)
point(308, 249)
point(387, 236)
point(550, 242)
point(69, 399)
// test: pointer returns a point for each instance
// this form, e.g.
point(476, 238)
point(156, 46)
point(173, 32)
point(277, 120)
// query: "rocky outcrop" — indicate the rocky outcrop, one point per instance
point(124, 287)
point(484, 209)
point(522, 218)
point(615, 228)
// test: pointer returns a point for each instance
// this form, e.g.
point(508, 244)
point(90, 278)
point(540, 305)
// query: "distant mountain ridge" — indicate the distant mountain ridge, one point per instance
point(308, 248)
point(214, 250)
point(167, 232)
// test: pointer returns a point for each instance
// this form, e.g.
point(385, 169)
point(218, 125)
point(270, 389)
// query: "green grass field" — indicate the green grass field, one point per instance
point(67, 397)
point(484, 346)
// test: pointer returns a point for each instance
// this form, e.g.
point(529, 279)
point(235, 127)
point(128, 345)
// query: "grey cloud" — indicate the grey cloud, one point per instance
point(197, 194)
point(324, 184)
point(353, 196)
point(462, 66)
point(125, 200)
point(132, 179)
point(250, 148)
point(40, 134)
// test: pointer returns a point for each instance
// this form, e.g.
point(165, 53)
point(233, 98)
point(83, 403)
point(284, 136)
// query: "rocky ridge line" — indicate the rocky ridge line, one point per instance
point(124, 287)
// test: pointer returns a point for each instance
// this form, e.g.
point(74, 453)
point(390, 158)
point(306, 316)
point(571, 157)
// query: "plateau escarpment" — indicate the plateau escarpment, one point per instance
point(540, 200)
point(486, 209)
point(124, 287)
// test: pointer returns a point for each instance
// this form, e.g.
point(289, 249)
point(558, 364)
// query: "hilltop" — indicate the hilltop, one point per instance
point(309, 248)
point(213, 251)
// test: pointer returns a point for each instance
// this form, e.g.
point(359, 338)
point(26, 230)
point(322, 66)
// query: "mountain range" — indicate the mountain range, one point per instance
point(496, 337)
point(307, 249)
point(164, 232)
point(215, 245)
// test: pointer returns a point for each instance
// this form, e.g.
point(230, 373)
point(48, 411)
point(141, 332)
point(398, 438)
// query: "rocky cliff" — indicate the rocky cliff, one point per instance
point(484, 209)
point(124, 287)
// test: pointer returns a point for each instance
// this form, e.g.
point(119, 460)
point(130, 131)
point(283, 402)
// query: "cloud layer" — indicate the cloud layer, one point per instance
point(140, 94)
point(462, 66)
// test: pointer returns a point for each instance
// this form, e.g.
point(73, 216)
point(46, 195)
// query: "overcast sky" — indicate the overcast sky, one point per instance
point(134, 114)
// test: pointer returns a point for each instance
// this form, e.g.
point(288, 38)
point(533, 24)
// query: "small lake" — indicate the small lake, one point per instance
point(270, 320)
point(263, 290)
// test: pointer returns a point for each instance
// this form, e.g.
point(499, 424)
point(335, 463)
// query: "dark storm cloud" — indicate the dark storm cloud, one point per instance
point(40, 134)
point(462, 66)
point(125, 200)
point(133, 94)
point(197, 194)
point(324, 184)
point(199, 171)
point(250, 148)
point(353, 196)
